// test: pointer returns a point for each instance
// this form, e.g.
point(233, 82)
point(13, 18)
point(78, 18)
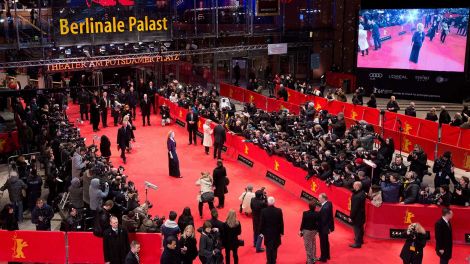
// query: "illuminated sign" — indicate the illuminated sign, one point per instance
point(90, 26)
point(114, 62)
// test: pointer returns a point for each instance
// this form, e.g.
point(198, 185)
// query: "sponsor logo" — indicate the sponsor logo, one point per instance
point(440, 79)
point(306, 196)
point(422, 78)
point(275, 178)
point(397, 77)
point(230, 93)
point(18, 245)
point(2, 144)
point(382, 91)
point(199, 124)
point(252, 99)
point(180, 123)
point(343, 217)
point(318, 107)
point(408, 218)
point(245, 161)
point(375, 75)
point(181, 113)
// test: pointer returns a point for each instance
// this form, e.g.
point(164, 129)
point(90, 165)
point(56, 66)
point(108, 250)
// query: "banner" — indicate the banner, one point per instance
point(450, 135)
point(30, 246)
point(428, 129)
point(354, 112)
point(464, 138)
point(9, 142)
point(267, 7)
point(409, 125)
point(334, 107)
point(408, 142)
point(389, 120)
point(259, 100)
point(460, 156)
point(372, 116)
point(233, 92)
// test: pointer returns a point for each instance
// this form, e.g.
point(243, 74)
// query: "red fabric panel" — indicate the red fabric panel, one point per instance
point(371, 116)
point(408, 142)
point(259, 100)
point(231, 91)
point(354, 112)
point(389, 120)
point(428, 130)
point(334, 107)
point(320, 102)
point(450, 135)
point(9, 142)
point(296, 97)
point(32, 246)
point(410, 125)
point(275, 105)
point(464, 138)
point(460, 156)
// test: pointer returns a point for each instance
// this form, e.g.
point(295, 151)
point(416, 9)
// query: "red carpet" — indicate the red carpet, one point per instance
point(148, 162)
point(434, 55)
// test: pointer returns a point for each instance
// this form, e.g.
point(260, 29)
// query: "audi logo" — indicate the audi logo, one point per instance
point(375, 75)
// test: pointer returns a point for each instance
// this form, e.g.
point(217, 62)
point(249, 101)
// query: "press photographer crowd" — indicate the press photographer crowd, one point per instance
point(90, 194)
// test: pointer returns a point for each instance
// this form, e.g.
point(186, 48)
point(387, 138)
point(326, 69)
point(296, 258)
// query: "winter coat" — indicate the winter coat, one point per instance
point(169, 228)
point(76, 193)
point(14, 186)
point(86, 187)
point(219, 175)
point(207, 141)
point(96, 194)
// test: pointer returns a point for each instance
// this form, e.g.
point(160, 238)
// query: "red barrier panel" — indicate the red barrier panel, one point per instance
point(258, 99)
point(336, 79)
point(85, 242)
point(390, 119)
point(320, 102)
point(464, 138)
point(31, 246)
point(379, 220)
point(450, 135)
point(334, 107)
point(231, 91)
point(371, 116)
point(9, 142)
point(354, 112)
point(408, 142)
point(460, 156)
point(428, 130)
point(410, 125)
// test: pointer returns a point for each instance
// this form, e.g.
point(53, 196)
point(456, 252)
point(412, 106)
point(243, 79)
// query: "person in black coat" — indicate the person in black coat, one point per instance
point(104, 105)
point(185, 219)
point(8, 219)
point(372, 101)
point(272, 228)
point(170, 254)
point(443, 233)
point(208, 251)
point(132, 100)
point(188, 245)
point(115, 243)
point(282, 93)
point(123, 139)
point(94, 114)
point(133, 255)
point(418, 162)
point(309, 230)
point(392, 105)
point(219, 139)
point(220, 183)
point(105, 147)
point(411, 191)
point(410, 110)
point(83, 99)
point(325, 226)
point(412, 251)
point(232, 229)
point(358, 214)
point(192, 120)
point(145, 106)
point(444, 116)
point(257, 204)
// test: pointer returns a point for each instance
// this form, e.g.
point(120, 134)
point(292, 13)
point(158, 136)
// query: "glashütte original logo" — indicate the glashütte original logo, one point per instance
point(422, 78)
point(18, 245)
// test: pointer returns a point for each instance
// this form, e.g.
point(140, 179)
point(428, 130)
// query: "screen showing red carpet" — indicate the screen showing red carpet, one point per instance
point(413, 39)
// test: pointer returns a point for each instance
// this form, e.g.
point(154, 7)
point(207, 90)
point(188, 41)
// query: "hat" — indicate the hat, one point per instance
point(358, 161)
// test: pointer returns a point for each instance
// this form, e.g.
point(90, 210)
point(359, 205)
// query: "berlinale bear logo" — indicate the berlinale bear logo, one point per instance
point(110, 2)
point(18, 245)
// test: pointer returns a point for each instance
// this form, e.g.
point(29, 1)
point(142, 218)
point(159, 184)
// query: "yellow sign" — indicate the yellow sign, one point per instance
point(407, 128)
point(89, 26)
point(314, 186)
point(354, 115)
point(18, 245)
point(246, 150)
point(408, 217)
point(406, 144)
point(276, 165)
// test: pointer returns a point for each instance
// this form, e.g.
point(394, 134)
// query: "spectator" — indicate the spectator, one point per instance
point(76, 193)
point(309, 230)
point(15, 188)
point(397, 166)
point(232, 229)
point(271, 228)
point(410, 110)
point(466, 125)
point(372, 101)
point(444, 116)
point(170, 253)
point(411, 191)
point(461, 195)
point(392, 105)
point(358, 214)
point(208, 252)
point(465, 113)
point(390, 188)
point(245, 199)
point(42, 215)
point(96, 194)
point(375, 195)
point(72, 223)
point(431, 115)
point(170, 228)
point(444, 169)
point(418, 162)
point(187, 245)
point(220, 183)
point(105, 147)
point(8, 220)
point(365, 180)
point(457, 120)
point(257, 204)
point(133, 255)
point(185, 219)
point(115, 243)
point(282, 93)
point(34, 189)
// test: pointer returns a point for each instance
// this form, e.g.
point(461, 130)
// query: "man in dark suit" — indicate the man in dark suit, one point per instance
point(308, 231)
point(132, 100)
point(115, 243)
point(145, 106)
point(133, 255)
point(375, 34)
point(325, 226)
point(123, 138)
point(272, 228)
point(151, 91)
point(443, 233)
point(104, 105)
point(358, 214)
point(191, 121)
point(219, 139)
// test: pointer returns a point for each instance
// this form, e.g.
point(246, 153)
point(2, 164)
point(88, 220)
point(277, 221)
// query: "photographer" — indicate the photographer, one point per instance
point(461, 195)
point(397, 166)
point(42, 215)
point(73, 221)
point(418, 162)
point(208, 251)
point(97, 194)
point(444, 169)
point(412, 251)
point(78, 162)
point(443, 196)
point(390, 188)
point(411, 191)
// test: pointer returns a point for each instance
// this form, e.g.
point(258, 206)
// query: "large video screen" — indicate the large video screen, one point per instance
point(413, 39)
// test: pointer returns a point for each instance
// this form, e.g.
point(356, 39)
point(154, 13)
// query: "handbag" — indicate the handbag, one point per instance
point(227, 181)
point(207, 197)
point(241, 242)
